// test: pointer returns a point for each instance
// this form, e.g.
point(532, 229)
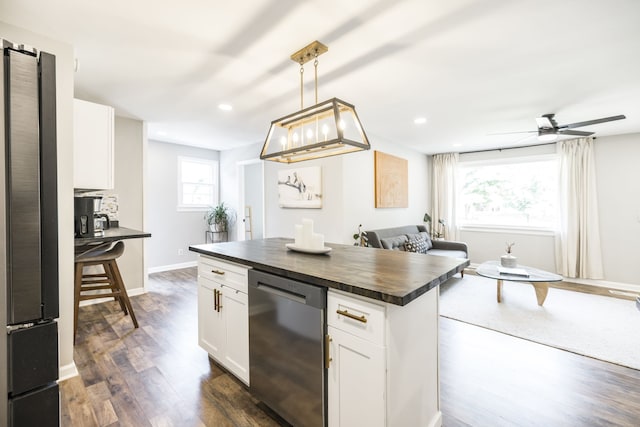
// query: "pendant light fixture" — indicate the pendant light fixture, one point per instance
point(325, 129)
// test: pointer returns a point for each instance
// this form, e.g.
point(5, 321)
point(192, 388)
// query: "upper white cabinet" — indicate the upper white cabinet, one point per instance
point(93, 146)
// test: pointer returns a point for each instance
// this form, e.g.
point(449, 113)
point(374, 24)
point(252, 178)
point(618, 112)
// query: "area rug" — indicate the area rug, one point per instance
point(601, 327)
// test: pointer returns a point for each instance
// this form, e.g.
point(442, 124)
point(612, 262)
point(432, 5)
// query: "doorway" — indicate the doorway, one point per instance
point(251, 200)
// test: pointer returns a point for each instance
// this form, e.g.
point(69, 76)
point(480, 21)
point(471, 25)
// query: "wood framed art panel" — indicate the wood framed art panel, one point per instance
point(391, 181)
point(300, 188)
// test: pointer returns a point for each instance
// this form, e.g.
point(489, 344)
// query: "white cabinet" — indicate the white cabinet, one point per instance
point(236, 313)
point(356, 381)
point(384, 362)
point(223, 315)
point(356, 375)
point(211, 325)
point(93, 146)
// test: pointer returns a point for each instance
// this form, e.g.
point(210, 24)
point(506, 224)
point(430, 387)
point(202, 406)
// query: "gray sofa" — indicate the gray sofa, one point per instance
point(395, 239)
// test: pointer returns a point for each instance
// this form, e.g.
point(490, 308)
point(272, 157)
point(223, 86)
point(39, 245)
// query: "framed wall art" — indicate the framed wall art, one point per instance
point(391, 181)
point(300, 188)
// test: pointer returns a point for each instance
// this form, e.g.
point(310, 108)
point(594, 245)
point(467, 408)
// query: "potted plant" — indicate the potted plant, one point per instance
point(435, 233)
point(508, 260)
point(361, 238)
point(218, 217)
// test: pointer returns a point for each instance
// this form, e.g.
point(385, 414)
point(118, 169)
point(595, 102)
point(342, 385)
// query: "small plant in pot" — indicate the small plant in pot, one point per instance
point(361, 238)
point(436, 232)
point(218, 217)
point(508, 260)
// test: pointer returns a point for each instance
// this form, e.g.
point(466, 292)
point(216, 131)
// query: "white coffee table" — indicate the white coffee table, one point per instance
point(539, 279)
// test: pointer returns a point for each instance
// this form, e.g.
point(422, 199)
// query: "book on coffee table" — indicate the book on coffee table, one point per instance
point(513, 271)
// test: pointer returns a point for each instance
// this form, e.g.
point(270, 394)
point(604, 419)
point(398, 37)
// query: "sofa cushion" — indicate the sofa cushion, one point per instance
point(395, 243)
point(447, 252)
point(423, 235)
point(418, 245)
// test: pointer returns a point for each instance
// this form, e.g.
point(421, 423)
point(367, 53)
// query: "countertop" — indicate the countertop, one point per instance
point(394, 277)
point(112, 235)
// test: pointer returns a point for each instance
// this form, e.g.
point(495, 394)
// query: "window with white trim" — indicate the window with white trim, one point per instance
point(197, 183)
point(511, 193)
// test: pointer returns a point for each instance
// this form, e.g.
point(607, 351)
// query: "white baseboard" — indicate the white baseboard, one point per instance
point(607, 284)
point(67, 371)
point(169, 267)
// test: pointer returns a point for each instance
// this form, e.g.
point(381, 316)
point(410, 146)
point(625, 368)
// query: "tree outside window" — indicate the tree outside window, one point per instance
point(516, 194)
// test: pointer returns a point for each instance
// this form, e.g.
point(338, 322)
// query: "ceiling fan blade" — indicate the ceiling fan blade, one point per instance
point(592, 122)
point(544, 123)
point(575, 132)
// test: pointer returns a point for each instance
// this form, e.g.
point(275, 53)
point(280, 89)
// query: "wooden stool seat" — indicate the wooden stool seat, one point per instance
point(110, 280)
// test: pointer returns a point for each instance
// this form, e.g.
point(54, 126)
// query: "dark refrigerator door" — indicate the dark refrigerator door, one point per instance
point(48, 186)
point(33, 357)
point(39, 408)
point(24, 294)
point(28, 230)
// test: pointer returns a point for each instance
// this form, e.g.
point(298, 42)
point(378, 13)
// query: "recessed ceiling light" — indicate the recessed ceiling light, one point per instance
point(225, 107)
point(420, 120)
point(161, 133)
point(457, 145)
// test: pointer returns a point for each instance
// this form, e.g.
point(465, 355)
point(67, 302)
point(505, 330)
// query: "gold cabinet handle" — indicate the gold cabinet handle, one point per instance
point(327, 351)
point(352, 316)
point(215, 299)
point(219, 272)
point(219, 301)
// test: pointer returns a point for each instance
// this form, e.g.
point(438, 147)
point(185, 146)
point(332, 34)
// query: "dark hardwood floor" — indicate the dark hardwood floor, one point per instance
point(158, 376)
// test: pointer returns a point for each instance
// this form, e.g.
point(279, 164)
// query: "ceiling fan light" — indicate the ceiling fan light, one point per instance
point(547, 137)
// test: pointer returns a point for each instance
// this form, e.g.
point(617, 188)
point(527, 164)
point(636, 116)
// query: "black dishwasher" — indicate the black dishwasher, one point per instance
point(286, 347)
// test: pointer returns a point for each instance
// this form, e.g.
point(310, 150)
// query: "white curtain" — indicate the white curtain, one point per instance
point(444, 191)
point(578, 252)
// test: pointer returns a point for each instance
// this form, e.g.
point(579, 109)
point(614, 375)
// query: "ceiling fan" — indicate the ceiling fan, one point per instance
point(549, 129)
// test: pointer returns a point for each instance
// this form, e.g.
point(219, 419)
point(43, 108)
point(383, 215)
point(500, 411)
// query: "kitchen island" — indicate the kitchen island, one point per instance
point(382, 323)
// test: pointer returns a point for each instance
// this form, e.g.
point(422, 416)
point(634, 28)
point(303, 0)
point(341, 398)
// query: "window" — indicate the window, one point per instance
point(517, 193)
point(197, 183)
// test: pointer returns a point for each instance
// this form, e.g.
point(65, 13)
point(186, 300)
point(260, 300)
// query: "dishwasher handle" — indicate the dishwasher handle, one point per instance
point(294, 290)
point(281, 293)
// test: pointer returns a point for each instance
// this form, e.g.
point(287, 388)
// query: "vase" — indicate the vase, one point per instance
point(509, 261)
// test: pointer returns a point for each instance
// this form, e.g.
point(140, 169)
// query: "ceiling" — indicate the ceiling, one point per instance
point(470, 67)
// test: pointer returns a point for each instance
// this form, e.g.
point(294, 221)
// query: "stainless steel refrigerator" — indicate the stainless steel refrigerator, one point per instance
point(29, 238)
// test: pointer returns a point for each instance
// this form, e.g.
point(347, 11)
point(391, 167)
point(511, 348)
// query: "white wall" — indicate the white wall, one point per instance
point(348, 196)
point(130, 152)
point(171, 230)
point(359, 191)
point(64, 104)
point(618, 180)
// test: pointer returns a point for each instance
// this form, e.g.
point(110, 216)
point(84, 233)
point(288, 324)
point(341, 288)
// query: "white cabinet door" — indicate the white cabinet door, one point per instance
point(356, 383)
point(211, 322)
point(236, 312)
point(93, 146)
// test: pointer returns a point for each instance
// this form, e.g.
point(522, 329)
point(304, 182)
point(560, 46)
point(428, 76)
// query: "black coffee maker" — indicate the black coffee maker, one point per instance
point(85, 208)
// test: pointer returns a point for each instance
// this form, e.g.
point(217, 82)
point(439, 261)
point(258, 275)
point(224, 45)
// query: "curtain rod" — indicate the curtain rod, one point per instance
point(511, 148)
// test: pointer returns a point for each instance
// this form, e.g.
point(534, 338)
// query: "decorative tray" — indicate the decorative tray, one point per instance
point(293, 247)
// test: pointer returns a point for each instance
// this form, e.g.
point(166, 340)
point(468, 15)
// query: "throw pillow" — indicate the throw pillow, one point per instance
point(422, 235)
point(416, 245)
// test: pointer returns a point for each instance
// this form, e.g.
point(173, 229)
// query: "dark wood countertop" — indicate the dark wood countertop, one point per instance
point(112, 235)
point(391, 276)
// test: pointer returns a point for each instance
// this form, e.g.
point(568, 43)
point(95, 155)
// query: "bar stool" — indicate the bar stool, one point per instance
point(111, 279)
